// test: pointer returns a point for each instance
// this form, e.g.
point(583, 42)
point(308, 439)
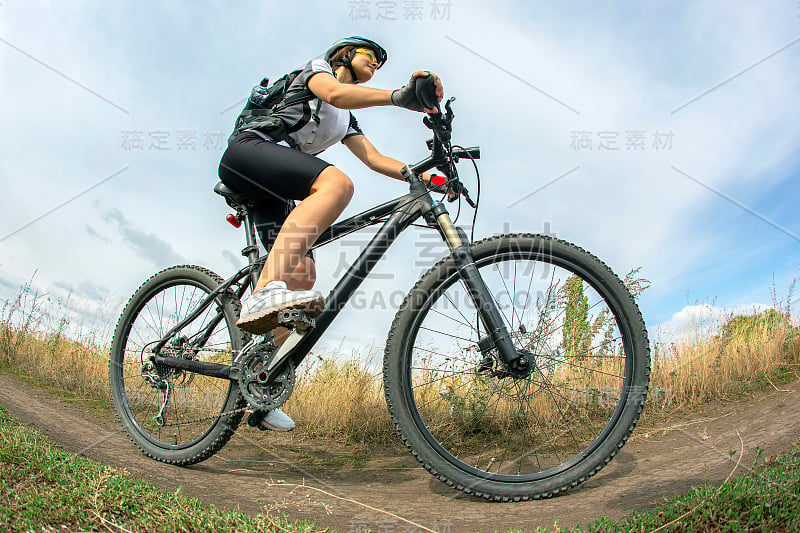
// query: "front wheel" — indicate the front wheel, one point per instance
point(512, 438)
point(176, 416)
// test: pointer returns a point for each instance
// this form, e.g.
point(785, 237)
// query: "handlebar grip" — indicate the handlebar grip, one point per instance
point(426, 92)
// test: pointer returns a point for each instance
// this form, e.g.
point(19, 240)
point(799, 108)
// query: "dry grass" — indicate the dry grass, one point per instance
point(333, 399)
point(343, 400)
point(747, 353)
point(35, 344)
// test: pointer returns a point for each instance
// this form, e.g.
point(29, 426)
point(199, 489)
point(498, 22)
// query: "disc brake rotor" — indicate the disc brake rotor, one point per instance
point(521, 388)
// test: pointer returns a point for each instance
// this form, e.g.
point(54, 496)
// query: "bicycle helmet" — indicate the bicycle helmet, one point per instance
point(356, 41)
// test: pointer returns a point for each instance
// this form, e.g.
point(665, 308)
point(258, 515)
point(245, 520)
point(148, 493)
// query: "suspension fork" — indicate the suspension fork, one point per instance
point(498, 336)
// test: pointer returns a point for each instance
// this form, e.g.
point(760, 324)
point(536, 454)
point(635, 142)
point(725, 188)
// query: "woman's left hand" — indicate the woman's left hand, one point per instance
point(406, 97)
point(437, 83)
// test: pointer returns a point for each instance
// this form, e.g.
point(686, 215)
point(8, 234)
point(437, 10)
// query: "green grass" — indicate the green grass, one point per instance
point(43, 488)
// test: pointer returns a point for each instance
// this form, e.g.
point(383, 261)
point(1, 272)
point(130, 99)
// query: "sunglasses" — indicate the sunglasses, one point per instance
point(369, 53)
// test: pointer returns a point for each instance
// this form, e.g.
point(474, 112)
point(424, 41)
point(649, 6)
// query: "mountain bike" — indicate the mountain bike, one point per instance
point(515, 368)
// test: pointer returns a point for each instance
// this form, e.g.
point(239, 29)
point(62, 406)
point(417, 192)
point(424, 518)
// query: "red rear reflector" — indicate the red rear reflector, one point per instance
point(233, 220)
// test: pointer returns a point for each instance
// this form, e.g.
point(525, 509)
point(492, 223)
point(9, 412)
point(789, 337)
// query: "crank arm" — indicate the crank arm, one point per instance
point(302, 325)
point(283, 352)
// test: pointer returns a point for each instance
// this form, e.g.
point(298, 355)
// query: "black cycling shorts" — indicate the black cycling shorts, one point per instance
point(273, 175)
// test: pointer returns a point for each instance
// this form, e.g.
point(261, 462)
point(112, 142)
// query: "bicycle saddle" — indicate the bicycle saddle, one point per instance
point(234, 198)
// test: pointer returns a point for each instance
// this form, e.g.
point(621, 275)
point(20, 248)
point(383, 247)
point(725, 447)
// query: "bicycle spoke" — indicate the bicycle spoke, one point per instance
point(453, 319)
point(190, 394)
point(528, 293)
point(510, 297)
point(548, 391)
point(566, 362)
point(517, 426)
point(460, 313)
point(502, 313)
point(526, 416)
point(446, 334)
point(447, 357)
point(562, 312)
point(447, 375)
point(148, 323)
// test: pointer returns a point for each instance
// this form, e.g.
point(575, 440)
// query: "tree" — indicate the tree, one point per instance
point(577, 332)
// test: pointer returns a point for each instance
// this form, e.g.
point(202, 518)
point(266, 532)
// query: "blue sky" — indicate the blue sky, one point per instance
point(81, 79)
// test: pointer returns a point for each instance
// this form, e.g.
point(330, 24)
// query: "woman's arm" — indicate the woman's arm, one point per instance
point(345, 95)
point(364, 150)
point(349, 96)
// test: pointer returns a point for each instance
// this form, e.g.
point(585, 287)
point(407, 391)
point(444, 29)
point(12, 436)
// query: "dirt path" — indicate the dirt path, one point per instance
point(249, 471)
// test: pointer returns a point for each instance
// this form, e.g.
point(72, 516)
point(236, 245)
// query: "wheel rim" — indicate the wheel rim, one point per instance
point(192, 396)
point(520, 430)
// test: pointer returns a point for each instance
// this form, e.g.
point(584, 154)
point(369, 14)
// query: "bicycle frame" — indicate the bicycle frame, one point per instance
point(551, 413)
point(401, 212)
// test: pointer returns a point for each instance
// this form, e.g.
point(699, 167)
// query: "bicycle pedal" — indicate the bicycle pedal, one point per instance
point(295, 318)
point(255, 418)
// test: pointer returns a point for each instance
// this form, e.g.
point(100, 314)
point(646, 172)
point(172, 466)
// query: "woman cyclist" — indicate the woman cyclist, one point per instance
point(277, 165)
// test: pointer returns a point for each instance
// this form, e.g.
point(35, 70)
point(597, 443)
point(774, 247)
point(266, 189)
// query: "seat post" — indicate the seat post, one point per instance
point(251, 251)
point(242, 204)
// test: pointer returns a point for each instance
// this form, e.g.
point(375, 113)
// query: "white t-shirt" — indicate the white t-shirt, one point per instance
point(335, 124)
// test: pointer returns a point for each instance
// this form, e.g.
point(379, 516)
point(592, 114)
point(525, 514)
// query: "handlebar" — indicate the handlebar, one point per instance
point(443, 156)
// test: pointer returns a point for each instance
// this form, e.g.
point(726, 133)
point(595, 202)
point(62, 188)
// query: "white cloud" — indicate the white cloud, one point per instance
point(699, 321)
point(624, 68)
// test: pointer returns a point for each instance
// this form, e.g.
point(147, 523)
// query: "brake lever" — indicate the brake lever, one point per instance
point(469, 200)
point(452, 185)
point(449, 115)
point(461, 190)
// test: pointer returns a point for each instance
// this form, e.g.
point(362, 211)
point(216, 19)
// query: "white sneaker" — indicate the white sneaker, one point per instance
point(277, 420)
point(260, 309)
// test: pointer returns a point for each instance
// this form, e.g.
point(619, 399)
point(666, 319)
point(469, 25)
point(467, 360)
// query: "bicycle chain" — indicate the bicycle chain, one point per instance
point(209, 417)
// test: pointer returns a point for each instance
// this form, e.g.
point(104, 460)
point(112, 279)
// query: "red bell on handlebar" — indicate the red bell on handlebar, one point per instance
point(234, 221)
point(438, 180)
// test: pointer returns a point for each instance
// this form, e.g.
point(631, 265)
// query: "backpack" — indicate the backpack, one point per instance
point(264, 99)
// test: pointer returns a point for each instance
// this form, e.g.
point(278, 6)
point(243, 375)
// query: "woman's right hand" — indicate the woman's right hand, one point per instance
point(406, 96)
point(441, 188)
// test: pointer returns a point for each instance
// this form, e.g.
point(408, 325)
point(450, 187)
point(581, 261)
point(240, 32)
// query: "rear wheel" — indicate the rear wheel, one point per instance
point(516, 438)
point(176, 416)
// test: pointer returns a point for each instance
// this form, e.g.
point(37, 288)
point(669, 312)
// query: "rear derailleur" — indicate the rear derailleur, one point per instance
point(162, 378)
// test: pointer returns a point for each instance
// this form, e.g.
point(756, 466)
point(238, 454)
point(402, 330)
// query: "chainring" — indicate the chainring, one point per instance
point(252, 379)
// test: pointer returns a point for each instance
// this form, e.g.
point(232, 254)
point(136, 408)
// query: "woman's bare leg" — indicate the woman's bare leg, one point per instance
point(330, 194)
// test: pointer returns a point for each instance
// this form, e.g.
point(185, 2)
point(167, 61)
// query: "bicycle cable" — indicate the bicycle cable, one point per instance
point(374, 222)
point(474, 215)
point(458, 211)
point(477, 196)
